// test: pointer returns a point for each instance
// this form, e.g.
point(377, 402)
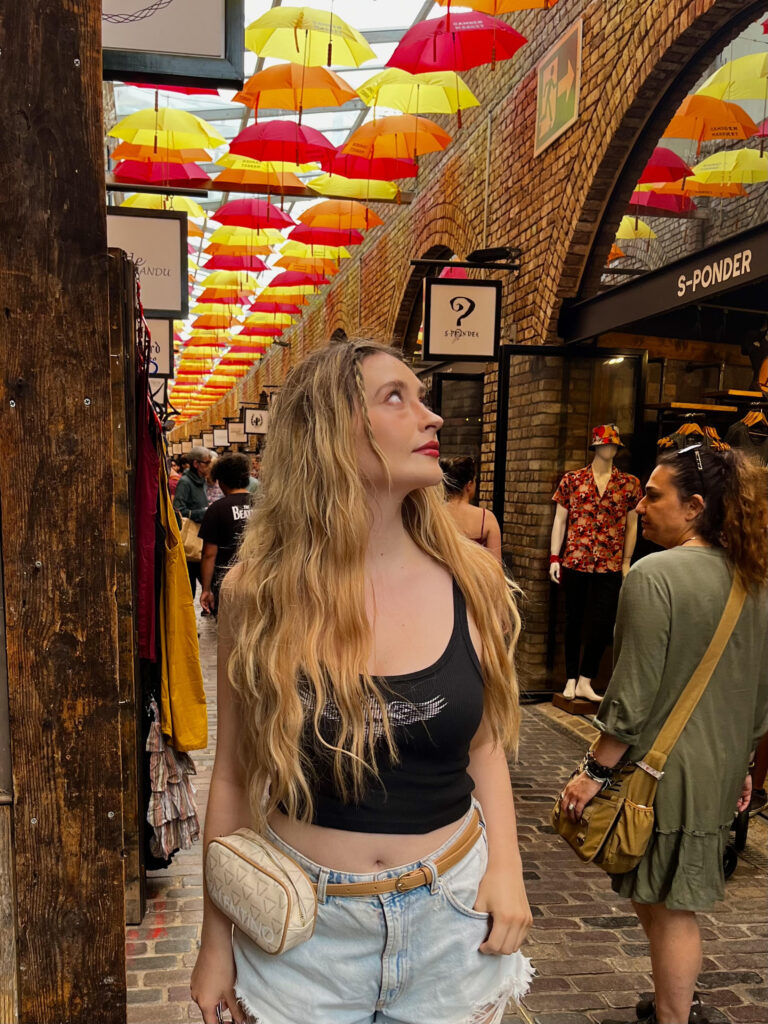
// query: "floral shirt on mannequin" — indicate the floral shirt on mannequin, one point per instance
point(596, 524)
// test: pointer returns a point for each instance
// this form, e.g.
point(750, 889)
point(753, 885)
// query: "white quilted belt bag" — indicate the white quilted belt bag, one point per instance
point(265, 894)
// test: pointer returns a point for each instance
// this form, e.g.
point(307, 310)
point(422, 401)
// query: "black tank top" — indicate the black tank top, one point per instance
point(434, 714)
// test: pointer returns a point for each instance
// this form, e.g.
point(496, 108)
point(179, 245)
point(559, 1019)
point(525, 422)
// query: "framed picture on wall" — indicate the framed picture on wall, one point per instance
point(220, 437)
point(208, 440)
point(236, 432)
point(174, 42)
point(161, 348)
point(156, 241)
point(462, 319)
point(197, 442)
point(186, 446)
point(256, 421)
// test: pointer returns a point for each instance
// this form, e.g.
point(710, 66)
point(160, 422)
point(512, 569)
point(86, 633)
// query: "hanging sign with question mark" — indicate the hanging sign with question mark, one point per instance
point(462, 319)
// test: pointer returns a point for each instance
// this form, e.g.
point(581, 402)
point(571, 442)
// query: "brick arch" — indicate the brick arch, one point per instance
point(672, 61)
point(403, 333)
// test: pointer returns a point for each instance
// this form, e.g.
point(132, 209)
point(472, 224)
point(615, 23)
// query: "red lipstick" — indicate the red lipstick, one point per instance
point(430, 448)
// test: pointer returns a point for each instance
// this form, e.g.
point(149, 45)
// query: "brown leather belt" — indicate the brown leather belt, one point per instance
point(419, 876)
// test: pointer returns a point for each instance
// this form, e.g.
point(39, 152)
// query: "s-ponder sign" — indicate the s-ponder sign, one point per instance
point(699, 279)
point(462, 319)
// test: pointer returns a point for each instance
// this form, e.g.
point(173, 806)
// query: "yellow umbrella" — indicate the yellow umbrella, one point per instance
point(231, 234)
point(633, 227)
point(433, 92)
point(166, 128)
point(297, 289)
point(318, 252)
point(353, 188)
point(273, 319)
point(497, 7)
point(745, 166)
point(745, 78)
point(693, 186)
point(307, 36)
point(230, 279)
point(152, 202)
point(217, 307)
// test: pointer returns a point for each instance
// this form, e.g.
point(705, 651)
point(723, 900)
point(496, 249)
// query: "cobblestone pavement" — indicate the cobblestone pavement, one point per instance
point(587, 947)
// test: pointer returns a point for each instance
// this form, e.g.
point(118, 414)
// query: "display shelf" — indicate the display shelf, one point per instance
point(738, 396)
point(689, 407)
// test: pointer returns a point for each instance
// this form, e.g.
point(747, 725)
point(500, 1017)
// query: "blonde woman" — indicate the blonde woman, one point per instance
point(367, 698)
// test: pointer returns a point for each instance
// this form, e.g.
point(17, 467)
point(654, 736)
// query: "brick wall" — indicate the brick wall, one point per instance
point(562, 208)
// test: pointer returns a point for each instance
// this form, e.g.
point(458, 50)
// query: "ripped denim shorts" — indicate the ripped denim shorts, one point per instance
point(396, 958)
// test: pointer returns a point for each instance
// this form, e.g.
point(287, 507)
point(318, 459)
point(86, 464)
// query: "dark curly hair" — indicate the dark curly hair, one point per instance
point(735, 516)
point(457, 473)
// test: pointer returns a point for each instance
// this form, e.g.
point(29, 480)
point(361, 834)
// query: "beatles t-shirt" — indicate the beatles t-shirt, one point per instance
point(223, 525)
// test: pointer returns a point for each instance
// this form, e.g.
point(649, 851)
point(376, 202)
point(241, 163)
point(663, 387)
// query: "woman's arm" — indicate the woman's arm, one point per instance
point(207, 566)
point(493, 544)
point(228, 809)
point(502, 891)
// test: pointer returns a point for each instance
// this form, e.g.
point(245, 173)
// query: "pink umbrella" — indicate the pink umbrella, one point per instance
point(259, 332)
point(456, 42)
point(152, 172)
point(252, 213)
point(326, 236)
point(274, 307)
point(377, 169)
point(282, 141)
point(291, 278)
point(183, 89)
point(668, 203)
point(664, 165)
point(252, 263)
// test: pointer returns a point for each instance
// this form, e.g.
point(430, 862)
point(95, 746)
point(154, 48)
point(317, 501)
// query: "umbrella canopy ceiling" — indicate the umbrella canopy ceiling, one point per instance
point(295, 87)
point(456, 42)
point(307, 36)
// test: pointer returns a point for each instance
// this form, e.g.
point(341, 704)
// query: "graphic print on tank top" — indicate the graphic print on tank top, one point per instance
point(400, 712)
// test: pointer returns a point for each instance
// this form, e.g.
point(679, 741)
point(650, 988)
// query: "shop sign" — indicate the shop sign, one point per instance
point(462, 319)
point(558, 77)
point(208, 440)
point(158, 390)
point(156, 242)
point(236, 432)
point(256, 421)
point(160, 348)
point(700, 279)
point(174, 42)
point(220, 437)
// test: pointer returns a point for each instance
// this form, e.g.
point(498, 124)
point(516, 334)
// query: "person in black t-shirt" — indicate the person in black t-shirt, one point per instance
point(223, 525)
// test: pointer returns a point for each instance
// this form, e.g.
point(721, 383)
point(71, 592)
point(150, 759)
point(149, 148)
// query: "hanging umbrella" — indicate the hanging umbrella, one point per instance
point(340, 214)
point(154, 202)
point(615, 254)
point(258, 180)
point(236, 249)
point(231, 279)
point(175, 129)
point(496, 7)
point(281, 140)
point(282, 299)
point(268, 320)
point(128, 151)
point(361, 188)
point(632, 227)
point(274, 307)
point(249, 263)
point(325, 236)
point(225, 295)
point(745, 78)
point(155, 172)
point(435, 92)
point(291, 278)
point(252, 213)
point(233, 309)
point(742, 166)
point(702, 119)
point(355, 167)
point(184, 90)
point(664, 165)
point(456, 42)
point(693, 187)
point(320, 252)
point(231, 234)
point(260, 332)
point(214, 320)
point(307, 265)
point(307, 36)
point(675, 204)
point(399, 137)
point(295, 87)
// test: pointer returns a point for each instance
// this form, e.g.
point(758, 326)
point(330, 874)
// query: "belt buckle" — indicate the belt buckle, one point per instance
point(401, 883)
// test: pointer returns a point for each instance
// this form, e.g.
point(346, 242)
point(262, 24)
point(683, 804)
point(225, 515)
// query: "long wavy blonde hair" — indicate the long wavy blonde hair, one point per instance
point(298, 598)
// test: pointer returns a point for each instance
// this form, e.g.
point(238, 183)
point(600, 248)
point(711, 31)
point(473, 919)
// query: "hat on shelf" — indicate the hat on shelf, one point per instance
point(608, 433)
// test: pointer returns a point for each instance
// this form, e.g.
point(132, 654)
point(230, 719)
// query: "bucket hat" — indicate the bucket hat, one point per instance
point(608, 433)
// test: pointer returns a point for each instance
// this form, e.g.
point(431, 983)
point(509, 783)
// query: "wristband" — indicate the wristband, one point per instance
point(555, 559)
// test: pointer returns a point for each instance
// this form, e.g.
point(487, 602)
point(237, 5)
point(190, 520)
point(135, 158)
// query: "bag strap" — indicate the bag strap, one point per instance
point(697, 684)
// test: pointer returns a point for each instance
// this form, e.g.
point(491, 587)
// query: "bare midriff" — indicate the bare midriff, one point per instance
point(359, 853)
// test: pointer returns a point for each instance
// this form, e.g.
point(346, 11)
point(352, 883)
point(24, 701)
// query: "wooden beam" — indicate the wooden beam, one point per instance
point(57, 530)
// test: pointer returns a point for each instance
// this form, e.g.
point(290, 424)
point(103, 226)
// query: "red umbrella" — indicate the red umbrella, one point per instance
point(284, 141)
point(291, 278)
point(259, 332)
point(232, 299)
point(252, 213)
point(361, 168)
point(763, 127)
point(252, 263)
point(274, 307)
point(183, 89)
point(325, 236)
point(456, 42)
point(664, 165)
point(245, 349)
point(668, 203)
point(151, 172)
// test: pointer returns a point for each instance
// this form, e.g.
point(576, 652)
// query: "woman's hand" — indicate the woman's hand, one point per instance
point(502, 895)
point(577, 794)
point(213, 984)
point(746, 795)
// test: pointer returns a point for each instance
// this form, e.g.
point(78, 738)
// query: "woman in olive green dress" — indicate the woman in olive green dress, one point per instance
point(709, 510)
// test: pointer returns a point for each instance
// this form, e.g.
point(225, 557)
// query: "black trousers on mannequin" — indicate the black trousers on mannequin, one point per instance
point(591, 601)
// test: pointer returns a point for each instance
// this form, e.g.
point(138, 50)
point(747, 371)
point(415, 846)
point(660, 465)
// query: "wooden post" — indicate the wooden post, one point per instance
point(57, 531)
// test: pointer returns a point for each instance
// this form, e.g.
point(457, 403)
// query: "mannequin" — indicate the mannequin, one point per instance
point(595, 505)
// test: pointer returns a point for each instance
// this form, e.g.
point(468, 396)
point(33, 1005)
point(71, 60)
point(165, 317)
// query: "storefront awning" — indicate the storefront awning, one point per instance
point(717, 295)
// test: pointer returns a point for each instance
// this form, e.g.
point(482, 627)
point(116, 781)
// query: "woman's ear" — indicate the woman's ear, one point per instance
point(695, 507)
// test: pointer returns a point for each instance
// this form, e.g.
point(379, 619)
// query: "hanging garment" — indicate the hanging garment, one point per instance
point(740, 436)
point(690, 433)
point(596, 523)
point(145, 514)
point(172, 810)
point(182, 699)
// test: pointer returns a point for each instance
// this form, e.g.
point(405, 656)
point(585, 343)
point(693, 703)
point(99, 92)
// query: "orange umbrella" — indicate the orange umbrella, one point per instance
point(615, 254)
point(257, 180)
point(703, 118)
point(398, 137)
point(340, 214)
point(295, 87)
point(288, 298)
point(308, 265)
point(693, 187)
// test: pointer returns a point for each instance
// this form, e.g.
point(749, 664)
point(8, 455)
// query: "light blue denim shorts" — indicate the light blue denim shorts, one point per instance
point(397, 958)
